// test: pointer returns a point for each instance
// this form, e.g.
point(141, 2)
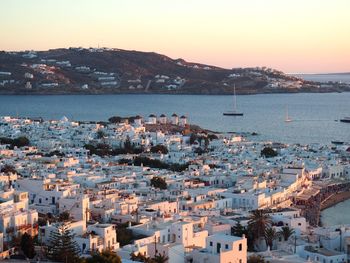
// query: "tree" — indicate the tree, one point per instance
point(193, 138)
point(238, 230)
point(106, 256)
point(160, 258)
point(100, 134)
point(64, 216)
point(159, 182)
point(160, 148)
point(286, 232)
point(21, 141)
point(199, 151)
point(268, 152)
point(27, 245)
point(200, 139)
point(258, 222)
point(124, 236)
point(115, 119)
point(206, 142)
point(18, 142)
point(270, 236)
point(256, 259)
point(7, 169)
point(62, 246)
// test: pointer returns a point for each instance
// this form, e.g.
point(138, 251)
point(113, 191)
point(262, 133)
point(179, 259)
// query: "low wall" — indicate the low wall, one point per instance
point(335, 199)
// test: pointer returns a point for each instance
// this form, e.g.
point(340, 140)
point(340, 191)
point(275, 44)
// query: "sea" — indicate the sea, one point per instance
point(340, 77)
point(315, 116)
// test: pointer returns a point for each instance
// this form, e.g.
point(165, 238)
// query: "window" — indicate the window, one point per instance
point(240, 247)
point(226, 246)
point(211, 243)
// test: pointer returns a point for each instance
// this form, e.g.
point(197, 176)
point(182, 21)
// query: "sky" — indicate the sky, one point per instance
point(309, 36)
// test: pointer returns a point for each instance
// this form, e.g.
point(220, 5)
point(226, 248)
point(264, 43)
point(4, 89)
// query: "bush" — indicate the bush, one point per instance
point(159, 149)
point(27, 245)
point(7, 169)
point(118, 119)
point(153, 163)
point(159, 182)
point(268, 152)
point(115, 119)
point(106, 256)
point(21, 141)
point(125, 236)
point(18, 142)
point(256, 259)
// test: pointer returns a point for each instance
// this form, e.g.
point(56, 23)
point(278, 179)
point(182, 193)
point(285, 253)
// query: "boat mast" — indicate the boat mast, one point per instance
point(234, 98)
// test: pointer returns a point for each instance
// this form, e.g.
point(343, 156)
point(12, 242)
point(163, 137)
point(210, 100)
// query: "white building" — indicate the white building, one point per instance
point(183, 120)
point(174, 119)
point(222, 249)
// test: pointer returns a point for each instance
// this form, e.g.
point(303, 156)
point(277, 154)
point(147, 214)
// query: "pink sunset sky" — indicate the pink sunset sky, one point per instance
point(310, 36)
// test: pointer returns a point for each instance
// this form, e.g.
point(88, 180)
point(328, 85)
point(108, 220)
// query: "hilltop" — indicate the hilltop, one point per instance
point(103, 70)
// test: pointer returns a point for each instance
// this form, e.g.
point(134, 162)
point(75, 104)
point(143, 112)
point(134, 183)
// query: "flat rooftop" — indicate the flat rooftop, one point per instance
point(323, 251)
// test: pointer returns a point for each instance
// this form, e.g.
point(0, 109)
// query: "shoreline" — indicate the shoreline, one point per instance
point(166, 93)
point(335, 199)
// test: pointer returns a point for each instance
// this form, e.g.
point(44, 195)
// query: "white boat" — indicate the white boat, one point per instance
point(287, 119)
point(234, 112)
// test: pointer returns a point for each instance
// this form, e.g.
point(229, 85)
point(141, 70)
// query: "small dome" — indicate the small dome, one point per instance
point(162, 115)
point(183, 117)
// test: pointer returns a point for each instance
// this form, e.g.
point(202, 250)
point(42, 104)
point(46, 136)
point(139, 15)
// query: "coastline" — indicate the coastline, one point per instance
point(335, 199)
point(104, 92)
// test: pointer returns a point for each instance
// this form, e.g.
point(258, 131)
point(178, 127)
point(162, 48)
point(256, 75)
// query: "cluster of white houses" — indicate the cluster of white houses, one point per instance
point(190, 220)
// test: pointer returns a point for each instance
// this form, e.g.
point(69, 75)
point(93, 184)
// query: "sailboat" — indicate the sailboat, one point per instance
point(234, 112)
point(287, 119)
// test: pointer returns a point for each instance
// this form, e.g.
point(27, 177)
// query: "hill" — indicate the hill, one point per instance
point(103, 70)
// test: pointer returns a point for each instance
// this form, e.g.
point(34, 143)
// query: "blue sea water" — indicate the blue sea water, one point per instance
point(345, 77)
point(314, 115)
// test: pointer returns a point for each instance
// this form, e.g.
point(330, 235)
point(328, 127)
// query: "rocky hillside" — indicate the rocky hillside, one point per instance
point(98, 71)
